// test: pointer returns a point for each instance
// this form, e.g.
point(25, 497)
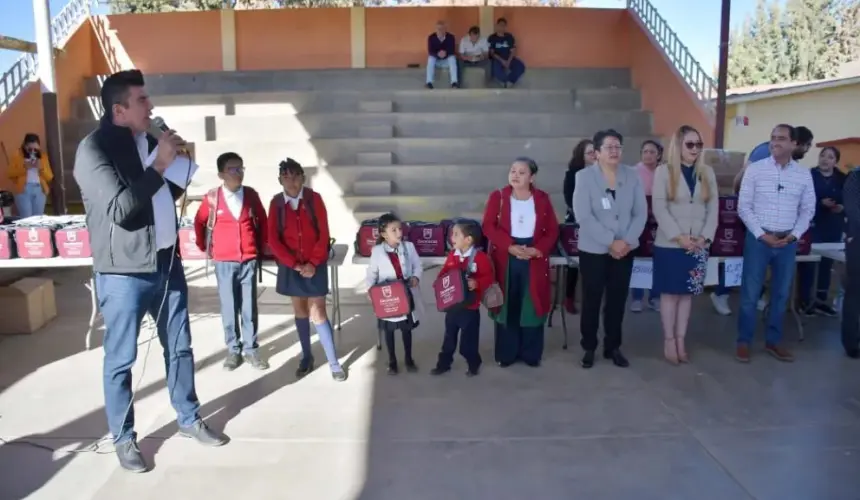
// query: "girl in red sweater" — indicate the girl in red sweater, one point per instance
point(467, 320)
point(299, 239)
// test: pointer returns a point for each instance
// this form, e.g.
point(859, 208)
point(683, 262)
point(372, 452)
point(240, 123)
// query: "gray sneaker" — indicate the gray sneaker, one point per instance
point(201, 433)
point(232, 361)
point(253, 359)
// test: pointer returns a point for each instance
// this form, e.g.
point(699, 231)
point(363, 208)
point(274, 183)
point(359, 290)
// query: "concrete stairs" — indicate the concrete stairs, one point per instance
point(374, 140)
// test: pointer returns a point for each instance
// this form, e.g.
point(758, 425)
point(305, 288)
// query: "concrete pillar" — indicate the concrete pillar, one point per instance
point(358, 37)
point(487, 22)
point(228, 40)
point(50, 112)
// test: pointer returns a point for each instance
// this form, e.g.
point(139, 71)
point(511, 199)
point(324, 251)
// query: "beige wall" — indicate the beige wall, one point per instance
point(831, 114)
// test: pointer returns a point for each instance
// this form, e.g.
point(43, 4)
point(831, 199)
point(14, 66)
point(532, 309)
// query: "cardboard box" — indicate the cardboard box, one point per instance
point(724, 162)
point(34, 304)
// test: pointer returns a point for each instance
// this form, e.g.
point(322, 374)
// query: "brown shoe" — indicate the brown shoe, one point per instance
point(742, 353)
point(779, 352)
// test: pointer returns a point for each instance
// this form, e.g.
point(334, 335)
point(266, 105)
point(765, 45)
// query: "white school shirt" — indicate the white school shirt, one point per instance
point(163, 206)
point(294, 202)
point(523, 218)
point(234, 200)
point(463, 256)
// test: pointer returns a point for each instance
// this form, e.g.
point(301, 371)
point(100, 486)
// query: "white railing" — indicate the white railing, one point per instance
point(25, 69)
point(685, 64)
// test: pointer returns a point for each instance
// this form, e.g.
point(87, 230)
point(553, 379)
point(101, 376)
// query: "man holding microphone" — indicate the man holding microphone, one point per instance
point(131, 218)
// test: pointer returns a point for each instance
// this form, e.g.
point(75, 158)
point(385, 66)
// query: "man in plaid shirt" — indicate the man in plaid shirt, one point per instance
point(776, 203)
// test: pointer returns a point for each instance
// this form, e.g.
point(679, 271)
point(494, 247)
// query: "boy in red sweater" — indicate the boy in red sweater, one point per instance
point(231, 228)
point(467, 320)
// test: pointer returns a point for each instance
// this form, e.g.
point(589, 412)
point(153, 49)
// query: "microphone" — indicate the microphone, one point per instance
point(780, 187)
point(161, 125)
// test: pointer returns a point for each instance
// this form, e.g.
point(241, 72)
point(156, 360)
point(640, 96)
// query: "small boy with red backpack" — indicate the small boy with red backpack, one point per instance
point(230, 227)
point(465, 322)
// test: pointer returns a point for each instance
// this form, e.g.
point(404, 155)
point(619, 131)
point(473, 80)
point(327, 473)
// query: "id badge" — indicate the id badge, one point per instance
point(606, 203)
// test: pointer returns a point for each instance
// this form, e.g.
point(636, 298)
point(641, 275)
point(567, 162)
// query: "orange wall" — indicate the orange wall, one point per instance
point(292, 38)
point(176, 42)
point(663, 92)
point(409, 28)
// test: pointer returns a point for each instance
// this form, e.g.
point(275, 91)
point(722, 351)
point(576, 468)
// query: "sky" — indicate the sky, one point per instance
point(697, 28)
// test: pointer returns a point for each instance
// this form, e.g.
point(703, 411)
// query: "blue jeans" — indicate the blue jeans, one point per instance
point(123, 300)
point(512, 75)
point(433, 62)
point(757, 257)
point(31, 202)
point(237, 291)
point(639, 294)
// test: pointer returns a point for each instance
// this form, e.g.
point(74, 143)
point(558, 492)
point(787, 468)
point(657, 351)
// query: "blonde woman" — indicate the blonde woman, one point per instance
point(685, 203)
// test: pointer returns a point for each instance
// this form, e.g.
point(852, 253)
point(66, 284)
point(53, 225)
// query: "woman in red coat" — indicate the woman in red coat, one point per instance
point(299, 239)
point(522, 228)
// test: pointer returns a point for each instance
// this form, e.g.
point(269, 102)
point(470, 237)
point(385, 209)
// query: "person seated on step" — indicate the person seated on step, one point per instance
point(506, 67)
point(474, 51)
point(441, 50)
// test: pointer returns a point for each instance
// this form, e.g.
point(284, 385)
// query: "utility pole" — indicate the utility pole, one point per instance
point(50, 110)
point(722, 77)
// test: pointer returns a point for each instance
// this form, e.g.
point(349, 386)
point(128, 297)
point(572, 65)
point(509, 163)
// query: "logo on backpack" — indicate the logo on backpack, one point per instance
point(446, 282)
point(386, 292)
point(428, 233)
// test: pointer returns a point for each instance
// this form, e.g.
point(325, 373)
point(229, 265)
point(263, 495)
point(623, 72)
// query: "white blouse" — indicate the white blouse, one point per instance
point(523, 218)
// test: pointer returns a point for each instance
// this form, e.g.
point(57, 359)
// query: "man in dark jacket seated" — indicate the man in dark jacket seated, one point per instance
point(131, 217)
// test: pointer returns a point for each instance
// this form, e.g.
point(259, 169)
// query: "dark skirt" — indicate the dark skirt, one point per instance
point(292, 284)
point(679, 272)
point(514, 341)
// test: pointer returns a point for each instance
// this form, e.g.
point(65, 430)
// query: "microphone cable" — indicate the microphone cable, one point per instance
point(153, 334)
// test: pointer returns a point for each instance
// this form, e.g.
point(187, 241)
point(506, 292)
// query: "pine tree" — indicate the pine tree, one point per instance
point(807, 40)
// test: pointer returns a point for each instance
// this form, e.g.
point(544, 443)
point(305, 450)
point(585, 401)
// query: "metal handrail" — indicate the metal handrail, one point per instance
point(25, 69)
point(696, 78)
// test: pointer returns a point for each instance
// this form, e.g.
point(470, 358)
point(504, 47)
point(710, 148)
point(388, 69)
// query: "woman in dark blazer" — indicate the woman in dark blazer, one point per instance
point(522, 228)
point(611, 209)
point(583, 156)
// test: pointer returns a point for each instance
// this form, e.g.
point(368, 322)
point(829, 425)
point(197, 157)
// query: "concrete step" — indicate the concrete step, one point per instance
point(359, 79)
point(178, 107)
point(388, 125)
point(437, 207)
point(436, 151)
point(480, 178)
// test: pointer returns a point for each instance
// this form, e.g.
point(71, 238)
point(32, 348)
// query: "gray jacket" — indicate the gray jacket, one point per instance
point(603, 219)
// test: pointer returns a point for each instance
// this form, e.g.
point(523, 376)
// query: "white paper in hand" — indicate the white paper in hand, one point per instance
point(180, 172)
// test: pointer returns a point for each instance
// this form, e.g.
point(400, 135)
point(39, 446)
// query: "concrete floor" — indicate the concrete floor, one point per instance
point(712, 430)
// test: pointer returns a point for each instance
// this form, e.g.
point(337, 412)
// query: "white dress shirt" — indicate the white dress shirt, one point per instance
point(468, 48)
point(776, 198)
point(163, 207)
point(523, 218)
point(234, 200)
point(464, 256)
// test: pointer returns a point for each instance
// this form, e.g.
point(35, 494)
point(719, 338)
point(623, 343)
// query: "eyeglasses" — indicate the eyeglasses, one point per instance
point(236, 170)
point(32, 150)
point(694, 145)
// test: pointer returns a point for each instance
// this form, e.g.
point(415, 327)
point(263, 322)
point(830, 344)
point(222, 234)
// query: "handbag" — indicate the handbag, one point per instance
point(494, 296)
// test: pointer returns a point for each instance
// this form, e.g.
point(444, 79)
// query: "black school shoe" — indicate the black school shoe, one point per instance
point(306, 366)
point(439, 370)
point(392, 369)
point(473, 372)
point(587, 359)
point(617, 358)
